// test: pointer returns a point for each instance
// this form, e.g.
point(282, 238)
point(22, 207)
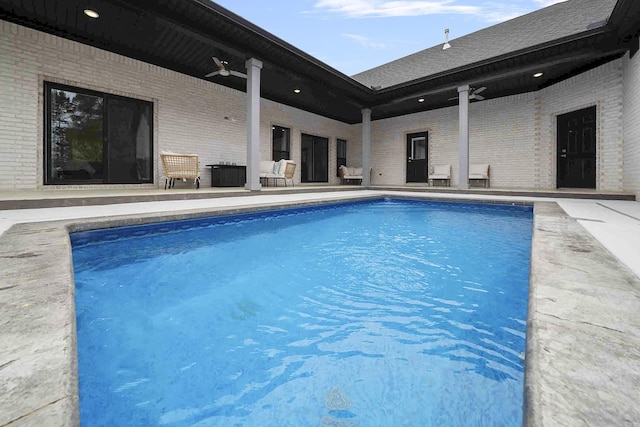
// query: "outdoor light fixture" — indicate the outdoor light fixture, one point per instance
point(421, 100)
point(297, 90)
point(446, 40)
point(536, 75)
point(91, 13)
point(222, 69)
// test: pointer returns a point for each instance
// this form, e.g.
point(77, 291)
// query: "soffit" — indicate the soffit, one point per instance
point(183, 35)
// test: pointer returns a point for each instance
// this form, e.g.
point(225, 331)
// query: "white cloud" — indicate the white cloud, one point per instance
point(366, 41)
point(545, 3)
point(500, 12)
point(385, 8)
point(489, 11)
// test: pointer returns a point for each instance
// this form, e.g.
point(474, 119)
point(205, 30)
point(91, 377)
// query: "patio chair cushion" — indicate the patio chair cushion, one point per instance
point(441, 172)
point(350, 172)
point(266, 167)
point(273, 169)
point(478, 171)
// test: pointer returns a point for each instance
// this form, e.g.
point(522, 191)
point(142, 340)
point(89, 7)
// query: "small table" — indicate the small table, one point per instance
point(228, 175)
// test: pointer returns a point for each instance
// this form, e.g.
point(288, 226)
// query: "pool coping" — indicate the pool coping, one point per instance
point(568, 336)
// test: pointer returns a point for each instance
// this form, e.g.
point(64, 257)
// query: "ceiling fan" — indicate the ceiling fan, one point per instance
point(222, 70)
point(474, 94)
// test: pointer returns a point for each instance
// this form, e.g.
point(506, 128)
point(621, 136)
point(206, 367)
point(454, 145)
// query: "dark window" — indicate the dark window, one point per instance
point(341, 155)
point(96, 138)
point(281, 146)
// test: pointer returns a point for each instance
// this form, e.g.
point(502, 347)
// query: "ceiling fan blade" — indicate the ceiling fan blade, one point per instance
point(217, 61)
point(455, 98)
point(480, 90)
point(215, 73)
point(479, 98)
point(238, 74)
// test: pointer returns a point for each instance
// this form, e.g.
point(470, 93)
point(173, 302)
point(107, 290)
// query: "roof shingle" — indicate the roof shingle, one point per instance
point(542, 26)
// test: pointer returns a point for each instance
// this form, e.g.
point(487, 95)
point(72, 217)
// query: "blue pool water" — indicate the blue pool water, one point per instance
point(382, 313)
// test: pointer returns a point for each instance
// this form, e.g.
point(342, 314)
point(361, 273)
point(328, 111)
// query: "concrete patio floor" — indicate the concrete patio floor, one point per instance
point(583, 329)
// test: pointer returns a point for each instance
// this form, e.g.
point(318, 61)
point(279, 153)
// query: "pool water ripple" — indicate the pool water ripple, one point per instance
point(414, 313)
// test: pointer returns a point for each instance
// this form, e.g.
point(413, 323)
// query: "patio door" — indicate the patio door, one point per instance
point(417, 157)
point(315, 159)
point(577, 149)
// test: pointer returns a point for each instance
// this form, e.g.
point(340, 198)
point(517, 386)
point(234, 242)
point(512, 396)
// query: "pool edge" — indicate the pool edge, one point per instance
point(52, 241)
point(580, 317)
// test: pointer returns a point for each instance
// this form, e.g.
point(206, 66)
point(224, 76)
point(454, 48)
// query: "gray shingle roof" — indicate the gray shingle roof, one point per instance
point(545, 25)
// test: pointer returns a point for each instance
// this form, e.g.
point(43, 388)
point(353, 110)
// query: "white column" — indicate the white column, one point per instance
point(463, 159)
point(366, 147)
point(253, 124)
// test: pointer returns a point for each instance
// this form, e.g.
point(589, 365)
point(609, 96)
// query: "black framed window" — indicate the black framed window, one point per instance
point(341, 156)
point(96, 138)
point(281, 142)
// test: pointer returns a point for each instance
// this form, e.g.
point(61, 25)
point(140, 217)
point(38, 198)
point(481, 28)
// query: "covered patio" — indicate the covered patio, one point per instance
point(196, 45)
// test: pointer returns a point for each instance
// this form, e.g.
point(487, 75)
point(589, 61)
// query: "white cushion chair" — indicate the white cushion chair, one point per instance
point(441, 173)
point(270, 169)
point(350, 174)
point(479, 172)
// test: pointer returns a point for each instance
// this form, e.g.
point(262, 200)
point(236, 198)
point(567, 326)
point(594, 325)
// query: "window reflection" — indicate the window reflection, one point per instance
point(94, 137)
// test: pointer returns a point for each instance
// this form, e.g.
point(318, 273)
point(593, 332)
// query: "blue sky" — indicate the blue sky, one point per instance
point(356, 35)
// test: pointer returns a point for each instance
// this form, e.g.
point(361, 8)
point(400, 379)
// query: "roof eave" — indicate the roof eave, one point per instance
point(452, 73)
point(268, 37)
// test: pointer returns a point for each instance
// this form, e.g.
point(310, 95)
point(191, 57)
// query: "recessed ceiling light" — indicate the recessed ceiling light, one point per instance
point(536, 75)
point(91, 13)
point(296, 90)
point(421, 100)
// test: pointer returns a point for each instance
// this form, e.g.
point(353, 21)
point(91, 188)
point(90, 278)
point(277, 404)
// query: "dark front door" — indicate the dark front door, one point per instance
point(417, 157)
point(577, 149)
point(315, 159)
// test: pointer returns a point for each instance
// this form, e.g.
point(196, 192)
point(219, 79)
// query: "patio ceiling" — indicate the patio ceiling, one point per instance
point(183, 35)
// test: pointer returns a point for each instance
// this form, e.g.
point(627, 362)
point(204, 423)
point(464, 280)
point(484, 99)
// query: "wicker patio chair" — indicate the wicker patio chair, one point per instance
point(289, 171)
point(180, 166)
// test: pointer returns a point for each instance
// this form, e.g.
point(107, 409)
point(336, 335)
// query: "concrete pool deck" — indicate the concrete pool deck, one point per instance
point(583, 342)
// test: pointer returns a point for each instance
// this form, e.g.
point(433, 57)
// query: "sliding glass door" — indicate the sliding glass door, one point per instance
point(96, 138)
point(315, 159)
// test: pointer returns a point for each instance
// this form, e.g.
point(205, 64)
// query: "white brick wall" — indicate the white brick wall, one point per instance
point(191, 115)
point(312, 124)
point(516, 135)
point(631, 88)
point(501, 133)
point(602, 87)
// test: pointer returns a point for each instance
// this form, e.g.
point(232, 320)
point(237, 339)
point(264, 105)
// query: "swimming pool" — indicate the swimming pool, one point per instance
point(392, 312)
